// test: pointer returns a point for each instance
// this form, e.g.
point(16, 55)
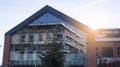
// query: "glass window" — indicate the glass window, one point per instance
point(39, 47)
point(49, 36)
point(59, 36)
point(21, 57)
point(31, 38)
point(12, 47)
point(22, 38)
point(118, 50)
point(38, 62)
point(30, 56)
point(20, 62)
point(96, 52)
point(68, 39)
point(107, 52)
point(74, 59)
point(38, 56)
point(31, 47)
point(31, 62)
point(39, 37)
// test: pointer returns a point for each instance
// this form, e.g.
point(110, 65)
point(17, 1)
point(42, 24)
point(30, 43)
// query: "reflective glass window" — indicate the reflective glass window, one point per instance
point(39, 37)
point(30, 56)
point(31, 38)
point(22, 38)
point(107, 52)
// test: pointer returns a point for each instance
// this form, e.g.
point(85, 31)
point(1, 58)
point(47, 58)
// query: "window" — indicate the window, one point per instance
point(31, 38)
point(22, 38)
point(12, 47)
point(59, 36)
point(39, 38)
point(97, 52)
point(75, 59)
point(38, 55)
point(49, 36)
point(21, 57)
point(107, 52)
point(118, 50)
point(30, 56)
point(68, 39)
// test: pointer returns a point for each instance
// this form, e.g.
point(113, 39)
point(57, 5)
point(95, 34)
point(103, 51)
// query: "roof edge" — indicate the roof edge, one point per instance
point(41, 12)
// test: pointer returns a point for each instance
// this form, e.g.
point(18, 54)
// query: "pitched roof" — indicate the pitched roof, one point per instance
point(42, 12)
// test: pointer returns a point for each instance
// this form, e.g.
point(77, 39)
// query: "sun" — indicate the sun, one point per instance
point(93, 25)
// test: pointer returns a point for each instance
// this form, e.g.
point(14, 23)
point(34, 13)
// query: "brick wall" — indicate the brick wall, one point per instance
point(6, 51)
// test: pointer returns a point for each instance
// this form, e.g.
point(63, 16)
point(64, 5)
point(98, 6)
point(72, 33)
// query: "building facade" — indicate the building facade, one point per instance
point(25, 42)
point(107, 43)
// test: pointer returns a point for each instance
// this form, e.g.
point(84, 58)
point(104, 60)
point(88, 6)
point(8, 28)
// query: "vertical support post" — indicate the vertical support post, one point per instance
point(6, 51)
point(91, 49)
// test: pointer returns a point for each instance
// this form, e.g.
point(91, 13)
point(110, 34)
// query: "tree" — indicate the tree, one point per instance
point(54, 57)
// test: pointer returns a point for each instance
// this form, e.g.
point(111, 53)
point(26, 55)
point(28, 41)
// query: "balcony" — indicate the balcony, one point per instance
point(78, 39)
point(77, 46)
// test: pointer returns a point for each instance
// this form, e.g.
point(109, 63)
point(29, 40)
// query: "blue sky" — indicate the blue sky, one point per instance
point(93, 13)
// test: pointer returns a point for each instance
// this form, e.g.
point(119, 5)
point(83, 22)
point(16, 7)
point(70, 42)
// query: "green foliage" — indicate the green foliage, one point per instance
point(54, 57)
point(22, 47)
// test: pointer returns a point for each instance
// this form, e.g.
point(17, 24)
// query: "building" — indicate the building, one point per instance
point(24, 42)
point(107, 43)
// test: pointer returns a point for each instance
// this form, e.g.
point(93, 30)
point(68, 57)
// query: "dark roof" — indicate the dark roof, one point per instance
point(42, 12)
